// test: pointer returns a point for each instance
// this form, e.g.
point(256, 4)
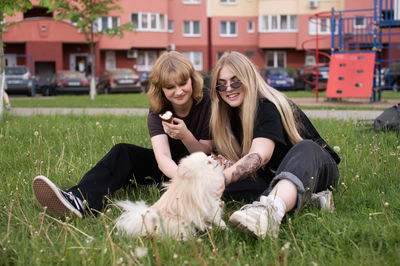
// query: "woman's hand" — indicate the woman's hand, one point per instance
point(176, 130)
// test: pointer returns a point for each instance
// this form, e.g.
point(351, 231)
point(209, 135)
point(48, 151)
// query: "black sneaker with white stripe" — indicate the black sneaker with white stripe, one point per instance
point(57, 201)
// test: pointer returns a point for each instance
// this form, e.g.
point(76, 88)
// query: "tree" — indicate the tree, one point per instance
point(84, 14)
point(8, 7)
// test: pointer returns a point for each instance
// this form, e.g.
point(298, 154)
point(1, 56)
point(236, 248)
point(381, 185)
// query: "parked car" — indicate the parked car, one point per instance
point(305, 78)
point(392, 77)
point(18, 80)
point(119, 80)
point(65, 82)
point(278, 78)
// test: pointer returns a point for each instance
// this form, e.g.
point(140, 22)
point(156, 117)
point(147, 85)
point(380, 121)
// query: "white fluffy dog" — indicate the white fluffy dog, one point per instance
point(190, 202)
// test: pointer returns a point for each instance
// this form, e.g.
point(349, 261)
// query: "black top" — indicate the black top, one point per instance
point(269, 125)
point(197, 122)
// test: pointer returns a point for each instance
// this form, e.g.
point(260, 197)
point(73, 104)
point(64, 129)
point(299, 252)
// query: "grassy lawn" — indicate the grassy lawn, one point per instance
point(140, 100)
point(364, 229)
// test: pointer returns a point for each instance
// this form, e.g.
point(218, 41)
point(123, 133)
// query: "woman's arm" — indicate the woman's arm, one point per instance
point(260, 153)
point(162, 153)
point(178, 130)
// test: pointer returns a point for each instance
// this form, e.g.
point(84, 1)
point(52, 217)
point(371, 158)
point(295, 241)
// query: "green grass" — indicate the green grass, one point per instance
point(386, 95)
point(126, 100)
point(140, 100)
point(362, 231)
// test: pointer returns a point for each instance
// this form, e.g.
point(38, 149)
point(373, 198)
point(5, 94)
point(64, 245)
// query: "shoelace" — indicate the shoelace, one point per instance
point(255, 204)
point(73, 199)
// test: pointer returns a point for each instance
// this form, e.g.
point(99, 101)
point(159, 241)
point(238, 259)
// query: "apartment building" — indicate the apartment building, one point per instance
point(273, 33)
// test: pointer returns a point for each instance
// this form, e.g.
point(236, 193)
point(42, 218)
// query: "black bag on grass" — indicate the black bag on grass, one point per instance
point(389, 120)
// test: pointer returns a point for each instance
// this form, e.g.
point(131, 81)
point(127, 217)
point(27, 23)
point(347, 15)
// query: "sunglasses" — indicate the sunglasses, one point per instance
point(234, 85)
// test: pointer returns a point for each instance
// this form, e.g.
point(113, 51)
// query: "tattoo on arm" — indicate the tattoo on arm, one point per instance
point(250, 164)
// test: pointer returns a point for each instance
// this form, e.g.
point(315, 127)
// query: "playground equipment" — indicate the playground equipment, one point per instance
point(362, 44)
point(316, 18)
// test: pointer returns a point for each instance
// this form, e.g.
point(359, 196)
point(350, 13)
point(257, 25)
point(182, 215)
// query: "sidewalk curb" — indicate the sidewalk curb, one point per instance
point(323, 114)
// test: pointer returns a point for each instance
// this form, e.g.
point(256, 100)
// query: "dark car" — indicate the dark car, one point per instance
point(119, 80)
point(305, 78)
point(18, 80)
point(278, 78)
point(66, 82)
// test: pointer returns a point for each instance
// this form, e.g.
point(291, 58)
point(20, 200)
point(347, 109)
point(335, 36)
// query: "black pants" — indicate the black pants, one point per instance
point(125, 164)
point(309, 166)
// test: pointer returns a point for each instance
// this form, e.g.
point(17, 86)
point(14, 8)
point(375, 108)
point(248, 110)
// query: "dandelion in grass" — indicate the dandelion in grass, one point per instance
point(140, 252)
point(175, 256)
point(392, 153)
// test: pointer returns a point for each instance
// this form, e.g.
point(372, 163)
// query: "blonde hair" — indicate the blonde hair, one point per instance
point(172, 66)
point(255, 89)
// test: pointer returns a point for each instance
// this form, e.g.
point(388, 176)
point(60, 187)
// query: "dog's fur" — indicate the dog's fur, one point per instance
point(190, 202)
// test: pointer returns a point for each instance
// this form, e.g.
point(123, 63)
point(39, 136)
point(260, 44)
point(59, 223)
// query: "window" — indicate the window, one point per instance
point(220, 54)
point(276, 59)
point(105, 23)
point(196, 58)
point(149, 21)
point(360, 22)
point(309, 59)
point(323, 25)
point(278, 23)
point(170, 26)
point(191, 1)
point(146, 60)
point(191, 28)
point(227, 2)
point(228, 29)
point(250, 26)
point(249, 54)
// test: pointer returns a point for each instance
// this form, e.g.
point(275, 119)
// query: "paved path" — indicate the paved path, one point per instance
point(332, 114)
point(376, 109)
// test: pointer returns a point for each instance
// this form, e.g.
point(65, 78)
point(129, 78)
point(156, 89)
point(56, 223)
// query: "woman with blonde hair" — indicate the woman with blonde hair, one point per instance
point(175, 86)
point(277, 155)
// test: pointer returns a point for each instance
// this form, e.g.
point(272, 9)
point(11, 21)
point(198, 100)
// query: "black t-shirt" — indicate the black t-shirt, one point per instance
point(269, 125)
point(197, 122)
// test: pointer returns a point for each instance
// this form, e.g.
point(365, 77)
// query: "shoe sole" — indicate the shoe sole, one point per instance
point(49, 196)
point(236, 221)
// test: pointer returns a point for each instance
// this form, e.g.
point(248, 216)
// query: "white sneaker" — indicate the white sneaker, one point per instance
point(323, 200)
point(259, 219)
point(57, 201)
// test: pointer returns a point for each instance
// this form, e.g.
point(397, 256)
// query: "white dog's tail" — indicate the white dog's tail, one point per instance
point(138, 219)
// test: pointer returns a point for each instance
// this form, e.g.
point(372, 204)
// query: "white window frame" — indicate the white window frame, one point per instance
point(170, 26)
point(360, 26)
point(313, 27)
point(98, 24)
point(148, 64)
point(191, 32)
point(191, 2)
point(196, 58)
point(228, 2)
point(161, 21)
point(228, 28)
point(250, 26)
point(276, 58)
point(278, 18)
